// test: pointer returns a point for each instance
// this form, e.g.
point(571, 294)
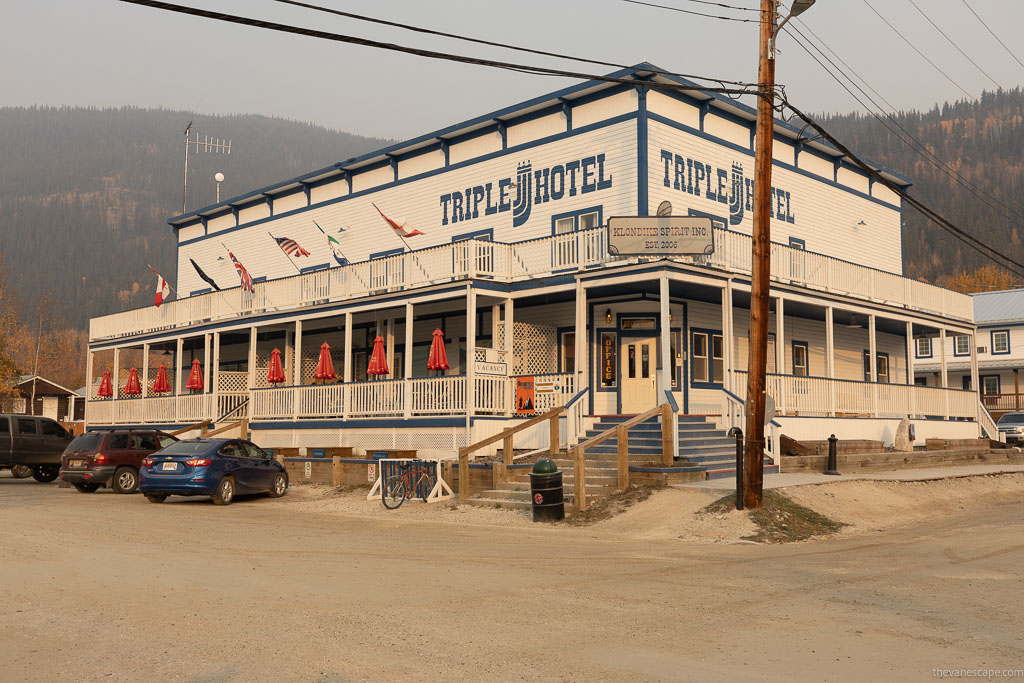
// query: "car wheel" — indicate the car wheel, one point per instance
point(21, 471)
point(45, 473)
point(225, 492)
point(87, 488)
point(125, 480)
point(156, 497)
point(280, 486)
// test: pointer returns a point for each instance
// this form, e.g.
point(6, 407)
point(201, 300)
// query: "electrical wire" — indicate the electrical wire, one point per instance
point(993, 33)
point(720, 4)
point(479, 41)
point(950, 40)
point(923, 56)
point(430, 54)
point(903, 134)
point(699, 14)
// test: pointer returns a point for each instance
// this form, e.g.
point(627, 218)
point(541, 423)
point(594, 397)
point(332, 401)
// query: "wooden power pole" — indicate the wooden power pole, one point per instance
point(753, 470)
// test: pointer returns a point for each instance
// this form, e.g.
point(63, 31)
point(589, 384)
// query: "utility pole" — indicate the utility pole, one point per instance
point(760, 262)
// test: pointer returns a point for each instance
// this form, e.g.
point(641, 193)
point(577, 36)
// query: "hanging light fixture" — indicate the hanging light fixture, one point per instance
point(608, 316)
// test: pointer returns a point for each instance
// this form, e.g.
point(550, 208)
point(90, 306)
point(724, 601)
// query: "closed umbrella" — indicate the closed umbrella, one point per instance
point(325, 366)
point(195, 377)
point(276, 373)
point(438, 357)
point(132, 386)
point(105, 390)
point(160, 384)
point(378, 363)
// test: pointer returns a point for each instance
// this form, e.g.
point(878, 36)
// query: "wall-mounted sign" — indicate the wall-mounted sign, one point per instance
point(487, 368)
point(524, 395)
point(660, 235)
point(546, 386)
point(608, 354)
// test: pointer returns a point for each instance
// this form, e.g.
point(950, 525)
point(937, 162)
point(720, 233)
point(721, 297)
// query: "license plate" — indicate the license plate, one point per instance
point(170, 466)
point(77, 463)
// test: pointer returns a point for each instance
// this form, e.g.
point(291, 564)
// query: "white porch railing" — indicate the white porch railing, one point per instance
point(821, 396)
point(507, 262)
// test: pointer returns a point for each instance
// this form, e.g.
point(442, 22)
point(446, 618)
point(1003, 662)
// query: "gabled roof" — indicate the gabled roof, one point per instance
point(642, 73)
point(1003, 305)
point(25, 379)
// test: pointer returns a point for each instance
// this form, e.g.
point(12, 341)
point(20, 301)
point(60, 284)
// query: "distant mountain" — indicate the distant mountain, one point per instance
point(983, 141)
point(85, 193)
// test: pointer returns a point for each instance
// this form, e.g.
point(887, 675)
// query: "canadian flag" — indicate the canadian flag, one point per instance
point(403, 230)
point(163, 290)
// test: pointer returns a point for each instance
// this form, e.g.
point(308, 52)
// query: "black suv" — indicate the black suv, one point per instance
point(35, 442)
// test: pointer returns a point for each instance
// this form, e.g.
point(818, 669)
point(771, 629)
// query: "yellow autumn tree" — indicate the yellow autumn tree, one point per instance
point(985, 279)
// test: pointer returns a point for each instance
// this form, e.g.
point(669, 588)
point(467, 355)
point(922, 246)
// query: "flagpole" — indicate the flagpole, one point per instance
point(169, 286)
point(329, 242)
point(297, 269)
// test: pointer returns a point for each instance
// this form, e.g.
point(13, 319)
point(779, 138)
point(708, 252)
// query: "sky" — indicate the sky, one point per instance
point(110, 53)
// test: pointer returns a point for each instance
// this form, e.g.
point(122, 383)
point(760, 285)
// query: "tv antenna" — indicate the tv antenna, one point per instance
point(207, 144)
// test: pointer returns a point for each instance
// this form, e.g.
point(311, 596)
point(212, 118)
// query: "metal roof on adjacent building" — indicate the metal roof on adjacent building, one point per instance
point(1002, 306)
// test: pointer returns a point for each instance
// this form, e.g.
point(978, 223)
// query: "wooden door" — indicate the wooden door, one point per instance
point(637, 375)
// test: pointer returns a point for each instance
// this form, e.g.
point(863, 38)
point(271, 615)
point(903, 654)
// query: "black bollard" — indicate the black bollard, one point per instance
point(830, 465)
point(738, 433)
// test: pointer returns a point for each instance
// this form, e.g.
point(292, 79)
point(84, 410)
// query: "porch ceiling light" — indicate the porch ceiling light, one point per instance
point(608, 316)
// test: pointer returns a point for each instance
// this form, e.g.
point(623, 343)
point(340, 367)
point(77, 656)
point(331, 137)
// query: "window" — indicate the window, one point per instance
point(717, 358)
point(118, 442)
point(797, 243)
point(51, 428)
point(700, 357)
point(921, 381)
point(232, 450)
point(924, 347)
point(144, 442)
point(961, 345)
point(990, 385)
point(965, 382)
point(676, 357)
point(771, 354)
point(631, 357)
point(165, 440)
point(568, 352)
point(882, 367)
point(708, 361)
point(1000, 341)
point(5, 426)
point(584, 219)
point(564, 225)
point(26, 426)
point(589, 220)
point(800, 366)
point(254, 451)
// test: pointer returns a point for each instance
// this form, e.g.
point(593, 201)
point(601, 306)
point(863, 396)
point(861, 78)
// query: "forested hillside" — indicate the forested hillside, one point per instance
point(85, 194)
point(983, 142)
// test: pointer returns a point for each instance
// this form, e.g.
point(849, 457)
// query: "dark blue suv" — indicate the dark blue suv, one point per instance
point(219, 468)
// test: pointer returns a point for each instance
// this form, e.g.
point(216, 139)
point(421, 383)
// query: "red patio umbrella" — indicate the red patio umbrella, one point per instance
point(195, 377)
point(378, 363)
point(160, 384)
point(438, 358)
point(132, 386)
point(276, 373)
point(325, 366)
point(105, 390)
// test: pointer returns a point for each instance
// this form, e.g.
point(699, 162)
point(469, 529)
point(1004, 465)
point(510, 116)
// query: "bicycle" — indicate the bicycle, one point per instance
point(400, 487)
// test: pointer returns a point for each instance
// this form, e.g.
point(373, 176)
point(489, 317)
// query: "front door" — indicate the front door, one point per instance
point(637, 375)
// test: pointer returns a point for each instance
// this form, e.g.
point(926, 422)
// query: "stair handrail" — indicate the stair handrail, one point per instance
point(198, 425)
point(988, 423)
point(734, 412)
point(243, 425)
point(232, 411)
point(621, 431)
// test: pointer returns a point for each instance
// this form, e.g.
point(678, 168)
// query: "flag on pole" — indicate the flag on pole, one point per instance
point(204, 276)
point(335, 246)
point(243, 274)
point(163, 290)
point(400, 230)
point(290, 246)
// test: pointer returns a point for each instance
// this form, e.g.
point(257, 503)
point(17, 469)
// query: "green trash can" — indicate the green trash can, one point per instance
point(546, 491)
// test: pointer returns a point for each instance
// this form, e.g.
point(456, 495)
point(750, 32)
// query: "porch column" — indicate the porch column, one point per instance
point(1016, 388)
point(215, 374)
point(910, 368)
point(145, 373)
point(665, 372)
point(580, 378)
point(117, 375)
point(206, 362)
point(297, 363)
point(974, 369)
point(178, 352)
point(495, 313)
point(252, 358)
point(728, 338)
point(509, 326)
point(470, 358)
point(88, 375)
point(780, 352)
point(346, 372)
point(389, 342)
point(944, 372)
point(873, 364)
point(407, 357)
point(830, 359)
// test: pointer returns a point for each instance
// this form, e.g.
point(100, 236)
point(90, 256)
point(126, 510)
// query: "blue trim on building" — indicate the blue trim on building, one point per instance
point(968, 351)
point(709, 359)
point(917, 348)
point(642, 153)
point(992, 339)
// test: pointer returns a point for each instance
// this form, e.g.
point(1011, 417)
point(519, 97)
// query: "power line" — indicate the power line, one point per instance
point(923, 56)
point(720, 4)
point(992, 33)
point(950, 40)
point(479, 41)
point(914, 143)
point(699, 14)
point(430, 54)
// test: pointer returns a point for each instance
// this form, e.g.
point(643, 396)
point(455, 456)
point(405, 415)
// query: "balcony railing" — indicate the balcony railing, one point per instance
point(185, 408)
point(508, 262)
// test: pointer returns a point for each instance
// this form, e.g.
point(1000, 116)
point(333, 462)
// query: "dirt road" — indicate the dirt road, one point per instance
point(109, 587)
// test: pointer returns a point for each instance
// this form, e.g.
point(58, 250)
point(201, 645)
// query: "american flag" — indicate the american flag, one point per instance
point(243, 274)
point(290, 246)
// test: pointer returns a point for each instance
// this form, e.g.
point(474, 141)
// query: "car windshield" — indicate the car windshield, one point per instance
point(1012, 419)
point(186, 448)
point(89, 441)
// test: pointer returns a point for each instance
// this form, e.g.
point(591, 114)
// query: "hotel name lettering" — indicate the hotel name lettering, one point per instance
point(527, 188)
point(732, 188)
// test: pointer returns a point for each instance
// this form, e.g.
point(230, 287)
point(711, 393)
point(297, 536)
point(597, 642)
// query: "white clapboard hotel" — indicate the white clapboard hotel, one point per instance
point(515, 269)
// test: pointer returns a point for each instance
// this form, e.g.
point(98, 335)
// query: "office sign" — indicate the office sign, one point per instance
point(660, 235)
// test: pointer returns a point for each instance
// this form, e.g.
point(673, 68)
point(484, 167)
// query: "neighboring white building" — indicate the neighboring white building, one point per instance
point(999, 317)
point(514, 268)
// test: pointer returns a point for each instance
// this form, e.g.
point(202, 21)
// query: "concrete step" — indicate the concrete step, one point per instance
point(723, 473)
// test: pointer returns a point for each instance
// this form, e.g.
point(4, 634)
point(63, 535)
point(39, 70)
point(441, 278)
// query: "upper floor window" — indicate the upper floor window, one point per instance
point(962, 345)
point(1000, 341)
point(924, 347)
point(800, 368)
point(584, 219)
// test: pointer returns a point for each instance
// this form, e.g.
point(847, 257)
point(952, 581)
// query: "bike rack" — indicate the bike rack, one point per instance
point(388, 467)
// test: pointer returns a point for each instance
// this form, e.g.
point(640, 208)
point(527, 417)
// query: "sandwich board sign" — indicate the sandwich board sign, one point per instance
point(660, 235)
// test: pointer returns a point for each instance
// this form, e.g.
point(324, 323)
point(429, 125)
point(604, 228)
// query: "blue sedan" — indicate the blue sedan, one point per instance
point(219, 468)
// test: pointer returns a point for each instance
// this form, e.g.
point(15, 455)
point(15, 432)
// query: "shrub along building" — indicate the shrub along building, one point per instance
point(503, 246)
